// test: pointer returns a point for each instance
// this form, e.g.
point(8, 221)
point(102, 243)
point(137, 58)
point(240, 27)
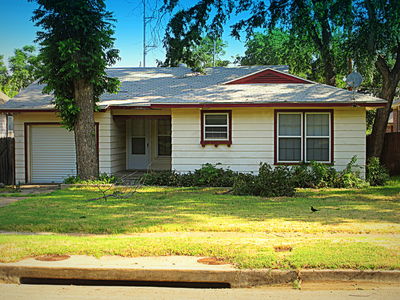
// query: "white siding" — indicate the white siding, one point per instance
point(104, 120)
point(253, 139)
point(3, 125)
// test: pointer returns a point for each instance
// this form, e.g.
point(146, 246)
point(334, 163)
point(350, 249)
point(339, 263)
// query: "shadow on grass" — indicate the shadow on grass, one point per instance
point(192, 208)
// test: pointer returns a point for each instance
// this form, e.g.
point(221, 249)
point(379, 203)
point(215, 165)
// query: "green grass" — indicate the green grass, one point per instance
point(158, 209)
point(355, 228)
point(243, 253)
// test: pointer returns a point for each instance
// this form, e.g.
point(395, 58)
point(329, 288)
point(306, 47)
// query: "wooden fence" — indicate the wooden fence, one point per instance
point(390, 156)
point(7, 161)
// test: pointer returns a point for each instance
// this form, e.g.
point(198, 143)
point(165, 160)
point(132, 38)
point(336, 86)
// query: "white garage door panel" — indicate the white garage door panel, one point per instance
point(52, 154)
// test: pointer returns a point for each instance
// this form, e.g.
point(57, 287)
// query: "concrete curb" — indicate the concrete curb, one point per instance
point(236, 278)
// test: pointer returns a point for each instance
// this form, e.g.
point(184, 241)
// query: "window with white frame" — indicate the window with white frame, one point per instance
point(216, 126)
point(304, 136)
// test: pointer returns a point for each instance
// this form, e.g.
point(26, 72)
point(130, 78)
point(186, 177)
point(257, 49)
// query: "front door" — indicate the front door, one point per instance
point(139, 147)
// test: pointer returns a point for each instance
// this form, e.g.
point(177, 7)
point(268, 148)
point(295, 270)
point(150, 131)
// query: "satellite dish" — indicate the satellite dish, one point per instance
point(354, 79)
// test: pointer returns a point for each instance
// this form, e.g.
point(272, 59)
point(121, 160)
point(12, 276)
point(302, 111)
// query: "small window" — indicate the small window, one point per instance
point(164, 137)
point(139, 145)
point(10, 123)
point(216, 126)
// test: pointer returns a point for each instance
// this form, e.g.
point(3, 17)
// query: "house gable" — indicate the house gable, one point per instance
point(269, 76)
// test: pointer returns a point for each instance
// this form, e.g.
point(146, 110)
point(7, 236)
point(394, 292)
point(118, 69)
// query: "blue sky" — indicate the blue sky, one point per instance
point(16, 30)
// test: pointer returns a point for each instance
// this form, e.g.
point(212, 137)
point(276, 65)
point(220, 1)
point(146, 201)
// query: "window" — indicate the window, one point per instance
point(303, 136)
point(164, 137)
point(10, 123)
point(139, 137)
point(216, 127)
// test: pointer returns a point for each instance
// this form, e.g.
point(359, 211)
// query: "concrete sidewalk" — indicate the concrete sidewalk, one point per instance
point(181, 269)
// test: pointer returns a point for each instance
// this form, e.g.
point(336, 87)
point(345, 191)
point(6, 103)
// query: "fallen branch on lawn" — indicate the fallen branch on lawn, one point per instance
point(126, 192)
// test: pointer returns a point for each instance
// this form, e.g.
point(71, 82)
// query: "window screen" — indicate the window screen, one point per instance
point(138, 145)
point(317, 137)
point(290, 137)
point(216, 126)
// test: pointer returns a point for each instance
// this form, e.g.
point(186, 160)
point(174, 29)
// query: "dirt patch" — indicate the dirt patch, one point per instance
point(52, 257)
point(212, 261)
point(8, 200)
point(283, 248)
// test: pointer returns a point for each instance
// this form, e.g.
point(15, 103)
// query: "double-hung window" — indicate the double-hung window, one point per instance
point(303, 137)
point(216, 127)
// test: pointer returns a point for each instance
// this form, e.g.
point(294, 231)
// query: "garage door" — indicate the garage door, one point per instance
point(52, 153)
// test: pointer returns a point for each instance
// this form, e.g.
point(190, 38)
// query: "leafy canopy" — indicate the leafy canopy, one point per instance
point(311, 22)
point(76, 43)
point(23, 70)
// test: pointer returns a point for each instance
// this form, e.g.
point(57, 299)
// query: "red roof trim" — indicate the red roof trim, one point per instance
point(217, 105)
point(13, 110)
point(269, 76)
point(270, 104)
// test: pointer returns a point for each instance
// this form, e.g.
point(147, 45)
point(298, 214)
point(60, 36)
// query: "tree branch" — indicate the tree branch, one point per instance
point(382, 66)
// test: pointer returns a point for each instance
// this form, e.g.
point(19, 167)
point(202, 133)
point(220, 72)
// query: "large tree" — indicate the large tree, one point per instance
point(375, 41)
point(23, 70)
point(3, 73)
point(207, 52)
point(315, 22)
point(76, 48)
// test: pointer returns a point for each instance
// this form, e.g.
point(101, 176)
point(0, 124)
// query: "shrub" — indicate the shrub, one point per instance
point(318, 175)
point(313, 175)
point(376, 173)
point(245, 184)
point(163, 178)
point(270, 182)
point(350, 176)
point(103, 178)
point(210, 175)
point(207, 175)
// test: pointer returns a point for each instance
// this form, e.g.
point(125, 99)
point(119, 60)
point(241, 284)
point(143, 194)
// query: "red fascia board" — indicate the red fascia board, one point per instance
point(129, 107)
point(216, 105)
point(6, 110)
point(271, 104)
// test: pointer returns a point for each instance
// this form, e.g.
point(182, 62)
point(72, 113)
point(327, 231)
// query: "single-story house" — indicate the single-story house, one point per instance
point(172, 118)
point(4, 120)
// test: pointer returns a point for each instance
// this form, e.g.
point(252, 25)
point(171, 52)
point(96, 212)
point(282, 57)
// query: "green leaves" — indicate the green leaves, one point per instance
point(76, 43)
point(24, 68)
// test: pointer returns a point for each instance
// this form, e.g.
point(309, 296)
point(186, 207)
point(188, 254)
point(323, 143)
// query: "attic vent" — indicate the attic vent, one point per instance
point(269, 76)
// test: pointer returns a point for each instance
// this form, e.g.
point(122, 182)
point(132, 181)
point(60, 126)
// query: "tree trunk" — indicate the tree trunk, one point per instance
point(87, 164)
point(382, 116)
point(329, 72)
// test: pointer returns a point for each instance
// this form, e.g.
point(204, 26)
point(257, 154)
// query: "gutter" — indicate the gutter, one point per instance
point(215, 105)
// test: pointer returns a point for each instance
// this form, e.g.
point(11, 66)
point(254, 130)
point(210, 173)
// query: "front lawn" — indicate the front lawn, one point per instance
point(158, 209)
point(353, 229)
point(242, 251)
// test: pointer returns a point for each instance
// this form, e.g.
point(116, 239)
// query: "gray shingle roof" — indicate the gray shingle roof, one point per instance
point(3, 97)
point(146, 86)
